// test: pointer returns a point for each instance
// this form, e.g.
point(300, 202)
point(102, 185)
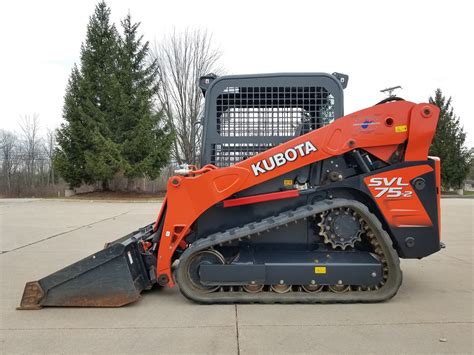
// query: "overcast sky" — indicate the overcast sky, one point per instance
point(420, 45)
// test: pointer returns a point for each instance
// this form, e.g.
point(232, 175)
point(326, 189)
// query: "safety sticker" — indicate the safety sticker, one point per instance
point(287, 182)
point(402, 128)
point(320, 269)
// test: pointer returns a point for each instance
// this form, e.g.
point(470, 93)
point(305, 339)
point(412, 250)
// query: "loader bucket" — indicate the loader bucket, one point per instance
point(112, 277)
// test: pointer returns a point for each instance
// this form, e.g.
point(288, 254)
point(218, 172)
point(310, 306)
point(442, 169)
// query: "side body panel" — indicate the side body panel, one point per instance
point(407, 197)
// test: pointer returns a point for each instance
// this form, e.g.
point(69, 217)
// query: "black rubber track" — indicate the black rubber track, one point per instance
point(385, 292)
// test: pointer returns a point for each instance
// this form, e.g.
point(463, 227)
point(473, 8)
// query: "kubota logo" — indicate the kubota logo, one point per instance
point(279, 159)
point(390, 187)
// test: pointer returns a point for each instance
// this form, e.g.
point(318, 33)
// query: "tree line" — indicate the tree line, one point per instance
point(27, 159)
point(130, 109)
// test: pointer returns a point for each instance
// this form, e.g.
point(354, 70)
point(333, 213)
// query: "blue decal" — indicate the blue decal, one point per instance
point(366, 124)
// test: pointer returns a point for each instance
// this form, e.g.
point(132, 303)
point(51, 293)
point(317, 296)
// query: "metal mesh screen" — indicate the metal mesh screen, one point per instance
point(225, 154)
point(251, 119)
point(273, 111)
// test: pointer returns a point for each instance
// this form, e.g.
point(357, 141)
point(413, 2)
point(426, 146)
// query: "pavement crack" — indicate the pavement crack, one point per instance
point(356, 324)
point(237, 329)
point(121, 328)
point(62, 233)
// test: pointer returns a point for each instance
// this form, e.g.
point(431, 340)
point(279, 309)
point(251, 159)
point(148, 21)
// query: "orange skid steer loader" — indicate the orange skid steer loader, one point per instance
point(293, 203)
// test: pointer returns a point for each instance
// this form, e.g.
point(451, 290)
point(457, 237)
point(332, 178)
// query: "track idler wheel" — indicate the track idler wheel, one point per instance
point(208, 257)
point(253, 288)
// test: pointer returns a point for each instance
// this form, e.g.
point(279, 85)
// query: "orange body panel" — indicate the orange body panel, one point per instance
point(383, 152)
point(396, 198)
point(380, 126)
point(423, 121)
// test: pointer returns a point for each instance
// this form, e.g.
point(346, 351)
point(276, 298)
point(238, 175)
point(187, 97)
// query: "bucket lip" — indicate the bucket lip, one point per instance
point(33, 294)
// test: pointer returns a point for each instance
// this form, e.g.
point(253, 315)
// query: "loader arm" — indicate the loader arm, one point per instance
point(380, 130)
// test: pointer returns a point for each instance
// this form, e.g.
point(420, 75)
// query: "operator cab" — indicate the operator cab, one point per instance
point(248, 114)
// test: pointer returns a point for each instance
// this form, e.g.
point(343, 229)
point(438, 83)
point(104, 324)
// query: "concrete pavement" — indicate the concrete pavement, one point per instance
point(40, 236)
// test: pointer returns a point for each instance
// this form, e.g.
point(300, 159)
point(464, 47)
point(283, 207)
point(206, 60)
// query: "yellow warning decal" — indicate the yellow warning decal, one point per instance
point(320, 269)
point(400, 129)
point(288, 182)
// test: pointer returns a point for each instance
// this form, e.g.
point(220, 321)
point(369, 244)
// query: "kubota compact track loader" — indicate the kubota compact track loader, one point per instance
point(293, 202)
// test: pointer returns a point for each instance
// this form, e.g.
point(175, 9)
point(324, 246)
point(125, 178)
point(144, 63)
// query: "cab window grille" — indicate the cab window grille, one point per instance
point(225, 154)
point(273, 111)
point(248, 114)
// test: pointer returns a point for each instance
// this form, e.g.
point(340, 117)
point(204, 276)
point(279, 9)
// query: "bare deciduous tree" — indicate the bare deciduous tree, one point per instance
point(29, 126)
point(26, 160)
point(182, 59)
point(48, 148)
point(9, 147)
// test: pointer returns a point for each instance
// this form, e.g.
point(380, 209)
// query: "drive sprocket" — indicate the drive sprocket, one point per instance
point(341, 227)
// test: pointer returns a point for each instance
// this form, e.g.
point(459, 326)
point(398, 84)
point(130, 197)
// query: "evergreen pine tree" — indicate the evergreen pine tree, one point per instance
point(87, 149)
point(448, 144)
point(73, 137)
point(140, 129)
